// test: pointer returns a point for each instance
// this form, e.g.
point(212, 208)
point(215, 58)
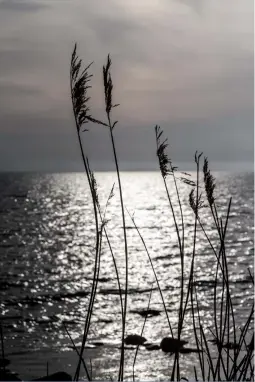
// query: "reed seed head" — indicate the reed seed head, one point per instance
point(79, 81)
point(209, 182)
point(165, 163)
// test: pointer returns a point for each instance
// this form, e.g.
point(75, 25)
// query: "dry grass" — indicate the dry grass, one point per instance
point(234, 355)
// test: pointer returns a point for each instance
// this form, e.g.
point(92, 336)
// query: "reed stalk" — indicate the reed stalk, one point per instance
point(230, 364)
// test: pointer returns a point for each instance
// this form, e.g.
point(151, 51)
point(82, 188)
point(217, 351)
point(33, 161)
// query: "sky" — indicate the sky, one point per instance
point(186, 65)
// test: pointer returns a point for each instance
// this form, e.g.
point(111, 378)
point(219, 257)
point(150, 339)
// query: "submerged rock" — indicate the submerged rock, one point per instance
point(151, 347)
point(106, 321)
point(59, 376)
point(97, 343)
point(147, 312)
point(4, 362)
point(134, 339)
point(172, 345)
point(8, 376)
point(227, 345)
point(190, 350)
point(127, 347)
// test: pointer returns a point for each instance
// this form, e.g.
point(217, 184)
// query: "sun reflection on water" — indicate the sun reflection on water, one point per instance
point(48, 256)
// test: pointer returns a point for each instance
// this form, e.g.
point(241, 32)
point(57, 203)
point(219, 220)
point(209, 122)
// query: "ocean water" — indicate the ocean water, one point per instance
point(47, 242)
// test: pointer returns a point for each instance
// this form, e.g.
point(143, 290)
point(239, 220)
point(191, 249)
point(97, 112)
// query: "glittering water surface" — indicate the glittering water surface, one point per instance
point(47, 262)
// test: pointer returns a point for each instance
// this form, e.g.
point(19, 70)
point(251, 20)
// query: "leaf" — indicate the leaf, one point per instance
point(185, 173)
point(115, 123)
point(94, 120)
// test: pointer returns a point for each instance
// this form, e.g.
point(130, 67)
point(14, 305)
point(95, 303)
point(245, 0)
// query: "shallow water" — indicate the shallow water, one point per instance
point(47, 261)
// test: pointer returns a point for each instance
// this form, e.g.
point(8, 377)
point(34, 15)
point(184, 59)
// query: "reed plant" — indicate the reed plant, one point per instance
point(234, 353)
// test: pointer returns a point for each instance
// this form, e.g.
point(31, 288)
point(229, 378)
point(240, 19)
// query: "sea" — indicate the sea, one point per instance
point(47, 254)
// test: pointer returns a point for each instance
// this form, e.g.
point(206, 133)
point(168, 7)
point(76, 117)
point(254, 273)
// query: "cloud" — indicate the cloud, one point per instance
point(21, 5)
point(187, 66)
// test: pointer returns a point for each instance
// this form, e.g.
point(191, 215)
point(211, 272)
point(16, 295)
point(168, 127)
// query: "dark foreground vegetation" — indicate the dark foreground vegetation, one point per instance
point(233, 345)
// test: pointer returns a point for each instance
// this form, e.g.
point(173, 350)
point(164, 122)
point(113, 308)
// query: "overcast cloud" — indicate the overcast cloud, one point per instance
point(184, 64)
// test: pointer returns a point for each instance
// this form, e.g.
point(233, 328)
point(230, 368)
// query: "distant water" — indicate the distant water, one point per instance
point(46, 268)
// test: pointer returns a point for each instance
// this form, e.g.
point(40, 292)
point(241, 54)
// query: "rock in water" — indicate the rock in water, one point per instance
point(146, 312)
point(59, 376)
point(97, 343)
point(8, 376)
point(134, 339)
point(152, 347)
point(171, 345)
point(4, 362)
point(190, 350)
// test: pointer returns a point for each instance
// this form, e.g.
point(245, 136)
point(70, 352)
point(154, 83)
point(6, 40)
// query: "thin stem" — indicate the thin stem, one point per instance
point(121, 372)
point(153, 269)
point(145, 319)
point(87, 323)
point(77, 351)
